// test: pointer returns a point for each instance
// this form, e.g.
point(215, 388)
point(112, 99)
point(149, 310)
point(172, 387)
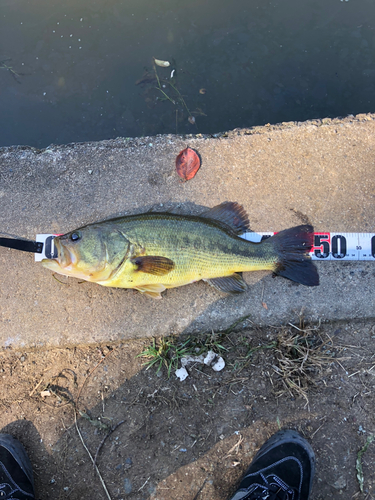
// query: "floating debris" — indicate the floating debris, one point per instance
point(162, 64)
point(14, 74)
point(160, 88)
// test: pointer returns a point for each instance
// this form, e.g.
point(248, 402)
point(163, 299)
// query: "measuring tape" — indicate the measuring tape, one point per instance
point(327, 246)
point(333, 246)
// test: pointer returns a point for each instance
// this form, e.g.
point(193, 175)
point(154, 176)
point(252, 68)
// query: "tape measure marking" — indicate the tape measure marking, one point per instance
point(334, 246)
point(327, 246)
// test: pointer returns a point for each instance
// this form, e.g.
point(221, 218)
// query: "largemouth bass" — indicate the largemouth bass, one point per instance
point(154, 251)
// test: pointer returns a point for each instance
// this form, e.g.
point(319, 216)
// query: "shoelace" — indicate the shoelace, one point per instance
point(9, 493)
point(271, 492)
point(268, 494)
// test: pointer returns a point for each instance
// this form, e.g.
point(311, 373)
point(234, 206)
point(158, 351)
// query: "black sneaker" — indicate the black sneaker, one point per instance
point(16, 474)
point(283, 469)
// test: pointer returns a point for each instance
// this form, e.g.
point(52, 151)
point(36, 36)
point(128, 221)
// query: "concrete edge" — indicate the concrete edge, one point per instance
point(121, 142)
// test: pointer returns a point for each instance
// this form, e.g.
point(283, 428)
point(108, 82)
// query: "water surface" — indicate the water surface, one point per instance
point(75, 65)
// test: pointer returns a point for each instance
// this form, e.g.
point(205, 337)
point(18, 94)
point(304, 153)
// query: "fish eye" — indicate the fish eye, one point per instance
point(75, 236)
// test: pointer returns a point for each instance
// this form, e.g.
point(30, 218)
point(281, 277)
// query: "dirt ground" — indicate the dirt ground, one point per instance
point(154, 437)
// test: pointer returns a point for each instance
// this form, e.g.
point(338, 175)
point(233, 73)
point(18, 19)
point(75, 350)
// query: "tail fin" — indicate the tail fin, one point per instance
point(293, 247)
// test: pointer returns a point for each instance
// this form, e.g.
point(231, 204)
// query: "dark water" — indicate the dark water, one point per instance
point(75, 65)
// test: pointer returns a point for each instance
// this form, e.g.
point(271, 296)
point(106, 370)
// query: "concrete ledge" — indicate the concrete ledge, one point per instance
point(322, 171)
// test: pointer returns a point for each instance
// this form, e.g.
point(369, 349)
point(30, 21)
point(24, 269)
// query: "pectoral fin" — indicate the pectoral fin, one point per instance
point(153, 291)
point(150, 264)
point(229, 284)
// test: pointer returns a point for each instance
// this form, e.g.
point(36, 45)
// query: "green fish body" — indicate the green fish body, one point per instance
point(154, 251)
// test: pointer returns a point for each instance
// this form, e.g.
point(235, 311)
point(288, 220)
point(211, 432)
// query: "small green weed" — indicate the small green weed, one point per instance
point(240, 364)
point(251, 351)
point(165, 352)
point(358, 464)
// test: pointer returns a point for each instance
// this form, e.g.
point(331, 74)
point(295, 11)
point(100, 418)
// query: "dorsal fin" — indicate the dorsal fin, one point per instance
point(231, 214)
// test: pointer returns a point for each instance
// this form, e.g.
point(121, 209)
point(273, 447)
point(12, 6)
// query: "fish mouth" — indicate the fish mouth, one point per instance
point(64, 255)
point(63, 262)
point(52, 265)
point(66, 263)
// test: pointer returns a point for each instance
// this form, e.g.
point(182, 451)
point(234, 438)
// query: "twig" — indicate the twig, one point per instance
point(200, 490)
point(10, 69)
point(182, 100)
point(318, 429)
point(92, 460)
point(156, 73)
point(296, 327)
point(234, 447)
point(261, 297)
point(166, 96)
point(338, 362)
point(36, 387)
point(144, 484)
point(180, 96)
point(105, 437)
point(89, 375)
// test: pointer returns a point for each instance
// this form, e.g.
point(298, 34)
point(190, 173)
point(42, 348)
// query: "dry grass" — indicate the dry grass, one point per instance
point(303, 356)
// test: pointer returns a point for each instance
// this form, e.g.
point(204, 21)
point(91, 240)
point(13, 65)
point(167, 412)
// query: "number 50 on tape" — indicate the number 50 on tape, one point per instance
point(334, 246)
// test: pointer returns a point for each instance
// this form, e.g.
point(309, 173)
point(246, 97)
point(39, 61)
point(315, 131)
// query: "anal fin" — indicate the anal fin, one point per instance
point(154, 291)
point(229, 284)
